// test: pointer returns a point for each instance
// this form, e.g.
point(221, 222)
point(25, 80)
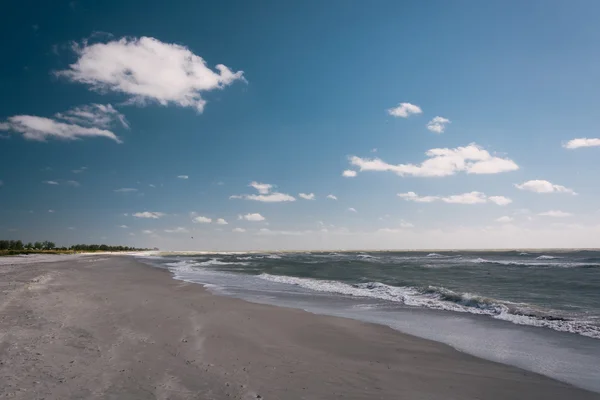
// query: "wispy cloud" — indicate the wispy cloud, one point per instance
point(98, 115)
point(505, 219)
point(555, 214)
point(253, 217)
point(149, 214)
point(78, 123)
point(183, 176)
point(238, 230)
point(148, 70)
point(265, 196)
point(50, 182)
point(179, 229)
point(542, 186)
point(126, 190)
point(80, 170)
point(123, 226)
point(331, 197)
point(51, 211)
point(201, 220)
point(307, 196)
point(404, 110)
point(465, 198)
point(72, 183)
point(438, 124)
point(148, 231)
point(352, 209)
point(263, 188)
point(582, 142)
point(349, 173)
point(472, 159)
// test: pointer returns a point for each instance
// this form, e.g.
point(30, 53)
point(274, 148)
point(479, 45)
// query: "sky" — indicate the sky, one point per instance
point(299, 125)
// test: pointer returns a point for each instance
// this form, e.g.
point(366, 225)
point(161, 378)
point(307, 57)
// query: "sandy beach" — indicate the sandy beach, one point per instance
point(109, 327)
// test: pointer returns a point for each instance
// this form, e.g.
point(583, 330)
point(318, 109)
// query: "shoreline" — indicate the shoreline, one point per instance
point(98, 327)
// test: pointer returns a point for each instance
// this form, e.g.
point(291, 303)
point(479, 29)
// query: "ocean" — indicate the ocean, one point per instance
point(536, 310)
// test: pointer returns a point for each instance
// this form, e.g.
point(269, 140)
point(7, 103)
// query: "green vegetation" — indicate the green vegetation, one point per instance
point(14, 247)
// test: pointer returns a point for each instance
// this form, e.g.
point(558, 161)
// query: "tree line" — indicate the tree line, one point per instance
point(47, 245)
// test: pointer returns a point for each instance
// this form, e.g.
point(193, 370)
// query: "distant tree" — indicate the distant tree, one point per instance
point(29, 246)
point(38, 245)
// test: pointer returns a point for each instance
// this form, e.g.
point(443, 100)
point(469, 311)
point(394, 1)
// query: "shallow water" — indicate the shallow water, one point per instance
point(538, 311)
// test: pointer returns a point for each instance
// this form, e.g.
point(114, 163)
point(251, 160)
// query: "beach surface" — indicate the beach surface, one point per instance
point(109, 327)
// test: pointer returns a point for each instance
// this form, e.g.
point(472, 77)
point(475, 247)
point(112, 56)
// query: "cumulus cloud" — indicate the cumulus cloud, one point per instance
point(253, 217)
point(221, 221)
point(472, 159)
point(505, 219)
point(126, 190)
point(182, 176)
point(404, 110)
point(98, 115)
point(149, 214)
point(238, 230)
point(542, 186)
point(349, 173)
point(179, 229)
point(438, 124)
point(307, 196)
point(148, 70)
point(50, 182)
point(582, 142)
point(331, 197)
point(201, 220)
point(352, 209)
point(265, 195)
point(465, 198)
point(92, 120)
point(555, 214)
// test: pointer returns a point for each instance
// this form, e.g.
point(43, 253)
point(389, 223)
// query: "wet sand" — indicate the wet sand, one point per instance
point(108, 327)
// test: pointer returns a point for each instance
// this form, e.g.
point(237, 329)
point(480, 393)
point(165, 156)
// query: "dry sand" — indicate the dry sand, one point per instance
point(112, 328)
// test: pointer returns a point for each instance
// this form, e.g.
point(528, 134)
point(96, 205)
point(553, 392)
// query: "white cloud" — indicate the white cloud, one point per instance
point(465, 198)
point(148, 231)
point(238, 230)
point(123, 226)
point(41, 128)
point(265, 194)
point(352, 209)
point(80, 170)
point(349, 173)
point(505, 219)
point(183, 176)
point(71, 228)
point(50, 211)
point(126, 190)
point(404, 110)
point(4, 126)
point(149, 214)
point(438, 124)
point(331, 197)
point(582, 142)
point(269, 232)
point(201, 220)
point(179, 229)
point(152, 185)
point(406, 225)
point(253, 217)
point(263, 188)
point(307, 196)
point(267, 198)
point(98, 115)
point(50, 182)
point(148, 70)
point(542, 186)
point(221, 221)
point(72, 183)
point(555, 214)
point(471, 159)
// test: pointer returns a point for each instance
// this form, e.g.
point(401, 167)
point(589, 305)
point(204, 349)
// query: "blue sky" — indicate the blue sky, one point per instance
point(103, 96)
